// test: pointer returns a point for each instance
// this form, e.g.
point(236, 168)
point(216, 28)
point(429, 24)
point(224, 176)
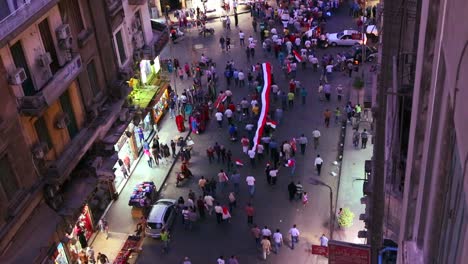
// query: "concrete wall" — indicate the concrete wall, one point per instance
point(435, 215)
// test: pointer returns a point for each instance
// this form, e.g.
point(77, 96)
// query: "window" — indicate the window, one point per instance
point(67, 108)
point(120, 47)
point(43, 132)
point(92, 76)
point(48, 42)
point(20, 62)
point(71, 14)
point(8, 181)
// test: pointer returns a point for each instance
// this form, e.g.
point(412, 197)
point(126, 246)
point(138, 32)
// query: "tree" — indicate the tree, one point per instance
point(345, 219)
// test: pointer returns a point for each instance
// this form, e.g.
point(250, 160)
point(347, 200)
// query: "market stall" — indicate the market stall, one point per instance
point(142, 198)
point(130, 249)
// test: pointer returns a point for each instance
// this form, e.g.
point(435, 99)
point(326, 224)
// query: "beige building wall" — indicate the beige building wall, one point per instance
point(435, 212)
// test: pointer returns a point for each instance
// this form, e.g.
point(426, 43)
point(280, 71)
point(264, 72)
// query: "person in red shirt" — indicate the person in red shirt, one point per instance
point(245, 144)
point(232, 107)
point(249, 210)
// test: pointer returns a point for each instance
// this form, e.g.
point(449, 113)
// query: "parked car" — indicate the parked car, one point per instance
point(348, 37)
point(355, 54)
point(162, 215)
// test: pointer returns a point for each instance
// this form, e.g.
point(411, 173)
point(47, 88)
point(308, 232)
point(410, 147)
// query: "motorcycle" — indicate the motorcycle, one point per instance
point(206, 30)
point(181, 177)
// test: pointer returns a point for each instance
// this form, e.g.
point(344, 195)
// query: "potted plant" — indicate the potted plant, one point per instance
point(345, 218)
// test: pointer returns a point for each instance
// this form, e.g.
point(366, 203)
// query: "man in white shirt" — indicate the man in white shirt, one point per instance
point(209, 203)
point(266, 232)
point(316, 135)
point(260, 150)
point(251, 39)
point(241, 38)
point(273, 174)
point(241, 77)
point(251, 185)
point(318, 164)
point(220, 260)
point(324, 241)
point(228, 113)
point(329, 69)
point(294, 232)
point(251, 154)
point(219, 118)
point(278, 240)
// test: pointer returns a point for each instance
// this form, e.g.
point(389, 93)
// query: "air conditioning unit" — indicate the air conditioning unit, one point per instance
point(66, 43)
point(39, 150)
point(62, 121)
point(18, 76)
point(45, 59)
point(63, 31)
point(138, 40)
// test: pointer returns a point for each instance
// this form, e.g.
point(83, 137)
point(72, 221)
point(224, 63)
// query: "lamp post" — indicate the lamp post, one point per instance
point(315, 181)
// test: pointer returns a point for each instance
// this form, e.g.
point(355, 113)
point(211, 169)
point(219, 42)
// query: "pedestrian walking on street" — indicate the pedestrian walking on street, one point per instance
point(294, 232)
point(202, 184)
point(219, 118)
point(339, 92)
point(356, 137)
point(278, 240)
point(251, 154)
point(235, 178)
point(291, 100)
point(327, 115)
point(254, 24)
point(245, 144)
point(327, 91)
point(104, 227)
point(316, 134)
point(210, 153)
point(302, 140)
point(241, 38)
point(165, 240)
point(292, 190)
point(219, 212)
point(209, 200)
point(256, 232)
point(249, 210)
point(324, 241)
point(251, 185)
point(305, 199)
point(267, 173)
point(201, 207)
point(274, 175)
point(364, 137)
point(223, 180)
point(173, 148)
point(303, 95)
point(318, 164)
point(102, 258)
point(337, 115)
point(222, 42)
point(266, 247)
point(233, 260)
point(220, 260)
point(232, 201)
point(217, 150)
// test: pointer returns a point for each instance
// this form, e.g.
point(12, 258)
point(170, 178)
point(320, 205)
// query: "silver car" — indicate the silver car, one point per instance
point(162, 215)
point(348, 37)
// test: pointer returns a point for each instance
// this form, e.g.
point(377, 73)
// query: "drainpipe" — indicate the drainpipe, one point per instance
point(385, 250)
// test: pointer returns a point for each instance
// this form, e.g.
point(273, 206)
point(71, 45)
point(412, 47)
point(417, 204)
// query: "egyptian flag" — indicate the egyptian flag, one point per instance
point(265, 104)
point(271, 123)
point(220, 99)
point(290, 163)
point(288, 67)
point(297, 56)
point(239, 163)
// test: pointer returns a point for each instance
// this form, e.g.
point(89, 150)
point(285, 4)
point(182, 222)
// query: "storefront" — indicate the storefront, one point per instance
point(60, 256)
point(127, 152)
point(81, 233)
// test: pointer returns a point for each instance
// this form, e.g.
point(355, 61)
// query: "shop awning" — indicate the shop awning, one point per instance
point(34, 239)
point(76, 194)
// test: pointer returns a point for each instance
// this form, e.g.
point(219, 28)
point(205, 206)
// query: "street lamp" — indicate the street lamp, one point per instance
point(315, 181)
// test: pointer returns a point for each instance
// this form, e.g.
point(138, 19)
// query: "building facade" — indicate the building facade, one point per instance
point(419, 154)
point(433, 227)
point(64, 67)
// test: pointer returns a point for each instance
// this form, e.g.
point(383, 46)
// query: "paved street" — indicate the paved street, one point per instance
point(208, 240)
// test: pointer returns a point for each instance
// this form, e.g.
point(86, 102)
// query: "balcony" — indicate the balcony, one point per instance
point(137, 2)
point(61, 168)
point(36, 104)
point(114, 7)
point(26, 14)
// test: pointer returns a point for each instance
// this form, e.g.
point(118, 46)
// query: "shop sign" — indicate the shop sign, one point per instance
point(343, 252)
point(319, 250)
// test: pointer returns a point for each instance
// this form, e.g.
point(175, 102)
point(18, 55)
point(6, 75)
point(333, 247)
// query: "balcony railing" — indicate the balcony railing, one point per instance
point(23, 17)
point(36, 104)
point(60, 169)
point(114, 6)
